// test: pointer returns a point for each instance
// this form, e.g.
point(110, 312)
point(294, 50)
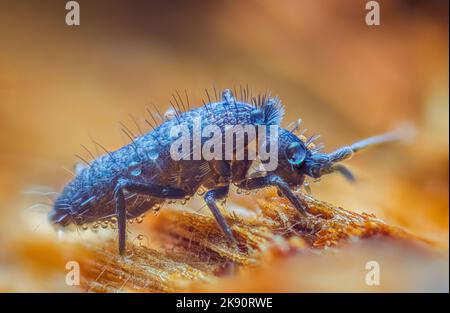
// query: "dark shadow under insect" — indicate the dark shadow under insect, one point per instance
point(142, 175)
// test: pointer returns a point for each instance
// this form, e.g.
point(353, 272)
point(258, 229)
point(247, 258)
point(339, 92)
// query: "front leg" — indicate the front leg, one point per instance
point(139, 188)
point(283, 187)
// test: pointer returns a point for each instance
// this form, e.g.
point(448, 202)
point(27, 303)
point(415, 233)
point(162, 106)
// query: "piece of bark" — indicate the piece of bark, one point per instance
point(187, 247)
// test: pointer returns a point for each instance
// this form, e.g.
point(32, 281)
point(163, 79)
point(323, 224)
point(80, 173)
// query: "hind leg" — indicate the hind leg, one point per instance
point(140, 188)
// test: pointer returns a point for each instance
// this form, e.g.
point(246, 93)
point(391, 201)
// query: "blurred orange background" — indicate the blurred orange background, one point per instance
point(61, 85)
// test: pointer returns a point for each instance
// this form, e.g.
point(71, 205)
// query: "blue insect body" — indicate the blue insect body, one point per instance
point(142, 175)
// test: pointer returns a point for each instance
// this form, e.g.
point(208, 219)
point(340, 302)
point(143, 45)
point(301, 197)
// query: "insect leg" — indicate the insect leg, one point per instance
point(283, 187)
point(211, 197)
point(141, 188)
point(121, 218)
point(153, 190)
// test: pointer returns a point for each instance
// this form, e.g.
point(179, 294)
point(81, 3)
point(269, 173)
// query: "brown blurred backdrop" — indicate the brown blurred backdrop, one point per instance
point(59, 85)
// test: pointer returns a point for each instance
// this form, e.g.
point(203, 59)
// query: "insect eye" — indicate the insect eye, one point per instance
point(295, 153)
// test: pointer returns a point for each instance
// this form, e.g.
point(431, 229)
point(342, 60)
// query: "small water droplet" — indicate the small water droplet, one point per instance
point(153, 154)
point(198, 177)
point(105, 224)
point(257, 116)
point(170, 114)
point(139, 220)
point(136, 172)
point(140, 237)
point(84, 227)
point(239, 191)
point(113, 220)
point(227, 96)
point(183, 202)
point(95, 227)
point(295, 153)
